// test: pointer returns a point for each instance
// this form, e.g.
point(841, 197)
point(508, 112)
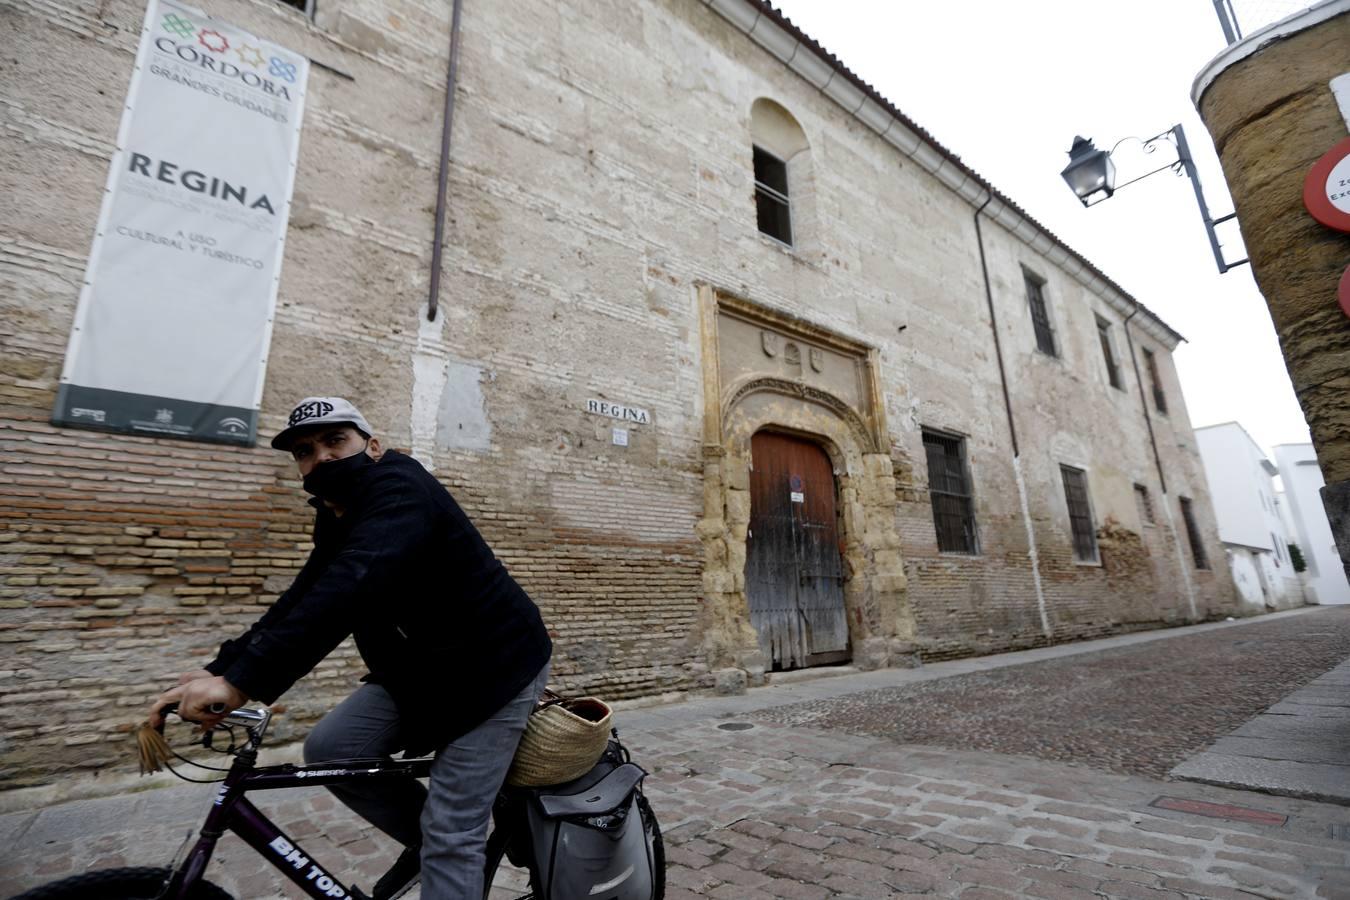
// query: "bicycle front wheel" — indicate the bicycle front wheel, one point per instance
point(143, 883)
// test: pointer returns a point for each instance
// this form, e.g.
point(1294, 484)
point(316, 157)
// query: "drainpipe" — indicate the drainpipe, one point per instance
point(1143, 399)
point(1024, 503)
point(437, 241)
point(1162, 479)
point(993, 323)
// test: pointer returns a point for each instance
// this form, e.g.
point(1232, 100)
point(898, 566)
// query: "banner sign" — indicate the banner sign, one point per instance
point(175, 315)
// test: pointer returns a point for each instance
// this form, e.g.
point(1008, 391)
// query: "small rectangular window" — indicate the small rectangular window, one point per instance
point(1275, 542)
point(1145, 504)
point(1193, 534)
point(305, 6)
point(1159, 398)
point(773, 211)
point(1040, 316)
point(949, 488)
point(1080, 514)
point(1108, 352)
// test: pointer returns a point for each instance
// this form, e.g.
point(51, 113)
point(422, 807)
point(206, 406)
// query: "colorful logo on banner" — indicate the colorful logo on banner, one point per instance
point(182, 28)
point(178, 26)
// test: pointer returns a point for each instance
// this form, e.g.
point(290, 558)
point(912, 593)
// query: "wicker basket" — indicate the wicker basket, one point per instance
point(563, 739)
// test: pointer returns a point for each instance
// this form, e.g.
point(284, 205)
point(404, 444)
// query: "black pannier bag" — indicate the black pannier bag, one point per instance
point(595, 837)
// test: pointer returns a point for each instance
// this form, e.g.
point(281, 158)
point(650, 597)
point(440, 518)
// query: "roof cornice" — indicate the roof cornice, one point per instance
point(1258, 40)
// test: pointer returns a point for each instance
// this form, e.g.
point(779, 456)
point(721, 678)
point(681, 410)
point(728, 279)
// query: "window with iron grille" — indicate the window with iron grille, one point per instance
point(1193, 534)
point(1108, 353)
point(1159, 398)
point(1080, 514)
point(1040, 316)
point(1145, 504)
point(949, 488)
point(772, 209)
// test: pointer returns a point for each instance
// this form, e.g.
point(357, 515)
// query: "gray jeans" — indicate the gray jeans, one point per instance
point(449, 818)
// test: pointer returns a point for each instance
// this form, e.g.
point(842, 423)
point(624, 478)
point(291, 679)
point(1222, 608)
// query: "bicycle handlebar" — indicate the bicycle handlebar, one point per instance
point(241, 716)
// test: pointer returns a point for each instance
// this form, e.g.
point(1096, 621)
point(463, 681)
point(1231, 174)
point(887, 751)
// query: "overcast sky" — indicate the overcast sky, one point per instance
point(1008, 85)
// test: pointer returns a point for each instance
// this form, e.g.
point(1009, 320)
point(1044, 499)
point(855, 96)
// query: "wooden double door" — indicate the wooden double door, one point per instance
point(794, 574)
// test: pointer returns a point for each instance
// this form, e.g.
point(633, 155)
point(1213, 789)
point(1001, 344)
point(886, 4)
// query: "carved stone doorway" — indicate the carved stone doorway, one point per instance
point(769, 373)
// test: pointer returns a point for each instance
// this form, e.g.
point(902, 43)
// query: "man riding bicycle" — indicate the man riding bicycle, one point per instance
point(457, 651)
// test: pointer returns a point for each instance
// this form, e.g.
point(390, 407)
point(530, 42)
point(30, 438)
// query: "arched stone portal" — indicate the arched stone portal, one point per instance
point(763, 369)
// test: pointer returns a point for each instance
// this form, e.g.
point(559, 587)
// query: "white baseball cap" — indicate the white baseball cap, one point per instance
point(313, 411)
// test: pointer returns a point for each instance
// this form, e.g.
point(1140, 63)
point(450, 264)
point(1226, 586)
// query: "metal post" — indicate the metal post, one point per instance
point(1184, 158)
point(1227, 21)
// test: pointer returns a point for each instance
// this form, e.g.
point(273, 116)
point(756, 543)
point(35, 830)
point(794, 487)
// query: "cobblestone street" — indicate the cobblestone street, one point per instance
point(820, 814)
point(768, 796)
point(1137, 710)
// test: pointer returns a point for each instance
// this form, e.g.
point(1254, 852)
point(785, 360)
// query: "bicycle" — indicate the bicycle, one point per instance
point(509, 861)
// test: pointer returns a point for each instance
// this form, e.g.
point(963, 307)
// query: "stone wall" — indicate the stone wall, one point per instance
point(1268, 105)
point(601, 213)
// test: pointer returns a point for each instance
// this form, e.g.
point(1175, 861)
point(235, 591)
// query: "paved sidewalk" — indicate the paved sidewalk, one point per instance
point(756, 808)
point(1300, 747)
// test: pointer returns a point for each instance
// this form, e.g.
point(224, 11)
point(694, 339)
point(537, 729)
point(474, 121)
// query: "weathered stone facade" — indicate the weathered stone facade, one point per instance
point(601, 245)
point(1268, 103)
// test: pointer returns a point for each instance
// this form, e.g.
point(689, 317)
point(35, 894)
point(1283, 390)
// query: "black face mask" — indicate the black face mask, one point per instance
point(336, 480)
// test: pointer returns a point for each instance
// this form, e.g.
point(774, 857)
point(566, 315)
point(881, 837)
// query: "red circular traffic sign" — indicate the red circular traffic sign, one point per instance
point(1326, 189)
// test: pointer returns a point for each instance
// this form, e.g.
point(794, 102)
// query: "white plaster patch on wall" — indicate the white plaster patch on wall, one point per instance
point(1033, 553)
point(429, 374)
point(462, 422)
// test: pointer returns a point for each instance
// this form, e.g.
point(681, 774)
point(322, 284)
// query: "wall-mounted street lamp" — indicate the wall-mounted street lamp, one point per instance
point(1092, 176)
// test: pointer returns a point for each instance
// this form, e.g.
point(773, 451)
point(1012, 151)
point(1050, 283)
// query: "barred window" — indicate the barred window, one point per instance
point(1040, 316)
point(1108, 353)
point(949, 488)
point(1193, 534)
point(1145, 504)
point(1159, 398)
point(1080, 514)
point(772, 209)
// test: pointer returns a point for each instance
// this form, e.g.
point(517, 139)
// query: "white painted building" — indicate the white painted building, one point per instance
point(1254, 536)
point(1302, 477)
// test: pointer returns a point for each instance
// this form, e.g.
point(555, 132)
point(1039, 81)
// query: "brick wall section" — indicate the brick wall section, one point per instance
point(600, 175)
point(121, 559)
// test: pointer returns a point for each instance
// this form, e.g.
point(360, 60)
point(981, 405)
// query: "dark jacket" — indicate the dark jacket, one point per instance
point(436, 617)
